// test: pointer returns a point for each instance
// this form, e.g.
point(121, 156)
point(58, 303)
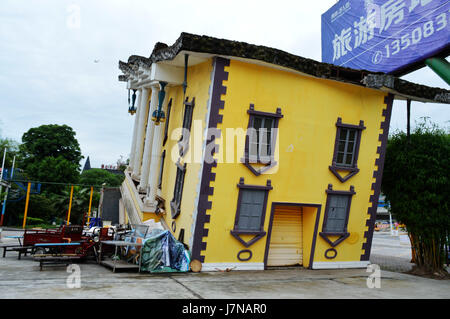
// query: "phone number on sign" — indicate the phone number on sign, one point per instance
point(421, 32)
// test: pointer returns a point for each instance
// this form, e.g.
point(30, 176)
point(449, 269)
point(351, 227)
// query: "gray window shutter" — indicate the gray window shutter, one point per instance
point(251, 209)
point(337, 213)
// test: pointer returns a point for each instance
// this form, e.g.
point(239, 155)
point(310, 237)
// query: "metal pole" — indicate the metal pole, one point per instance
point(7, 191)
point(408, 118)
point(70, 204)
point(390, 223)
point(26, 206)
point(441, 67)
point(90, 205)
point(3, 167)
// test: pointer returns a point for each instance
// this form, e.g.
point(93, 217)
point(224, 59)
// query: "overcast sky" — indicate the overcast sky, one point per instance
point(58, 69)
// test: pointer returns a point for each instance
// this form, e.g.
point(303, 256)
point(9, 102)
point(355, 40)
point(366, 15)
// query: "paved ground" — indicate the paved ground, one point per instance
point(22, 279)
point(390, 253)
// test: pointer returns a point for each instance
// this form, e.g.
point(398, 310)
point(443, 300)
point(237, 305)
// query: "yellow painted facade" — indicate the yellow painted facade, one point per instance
point(199, 78)
point(305, 145)
point(307, 132)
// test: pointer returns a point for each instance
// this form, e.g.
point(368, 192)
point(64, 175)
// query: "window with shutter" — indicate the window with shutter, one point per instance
point(346, 149)
point(251, 211)
point(161, 169)
point(175, 204)
point(183, 143)
point(166, 126)
point(260, 141)
point(337, 212)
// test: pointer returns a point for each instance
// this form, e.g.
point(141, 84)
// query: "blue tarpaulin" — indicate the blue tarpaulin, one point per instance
point(163, 253)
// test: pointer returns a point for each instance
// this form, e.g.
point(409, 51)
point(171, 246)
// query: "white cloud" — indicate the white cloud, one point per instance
point(48, 74)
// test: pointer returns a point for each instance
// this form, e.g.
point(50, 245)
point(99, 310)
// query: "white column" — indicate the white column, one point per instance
point(154, 164)
point(135, 128)
point(148, 140)
point(140, 134)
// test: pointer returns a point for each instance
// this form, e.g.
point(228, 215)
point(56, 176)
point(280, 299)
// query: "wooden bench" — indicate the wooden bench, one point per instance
point(20, 249)
point(53, 259)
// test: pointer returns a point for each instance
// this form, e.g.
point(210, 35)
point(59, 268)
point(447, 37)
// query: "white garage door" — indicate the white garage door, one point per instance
point(286, 248)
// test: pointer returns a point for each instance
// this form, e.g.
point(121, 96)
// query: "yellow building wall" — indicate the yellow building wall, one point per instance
point(198, 80)
point(306, 141)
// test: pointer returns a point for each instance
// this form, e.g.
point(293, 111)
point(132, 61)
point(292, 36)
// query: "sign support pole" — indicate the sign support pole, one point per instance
point(408, 118)
point(441, 67)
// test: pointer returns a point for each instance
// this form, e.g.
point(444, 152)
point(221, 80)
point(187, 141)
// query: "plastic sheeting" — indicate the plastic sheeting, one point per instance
point(163, 253)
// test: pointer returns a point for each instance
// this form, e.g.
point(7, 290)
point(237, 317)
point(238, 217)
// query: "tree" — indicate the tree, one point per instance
point(416, 183)
point(51, 141)
point(80, 203)
point(53, 170)
point(97, 176)
point(12, 149)
point(51, 153)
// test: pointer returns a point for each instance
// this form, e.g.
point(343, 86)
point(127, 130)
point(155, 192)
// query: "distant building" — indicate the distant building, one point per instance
point(87, 165)
point(382, 211)
point(109, 205)
point(110, 168)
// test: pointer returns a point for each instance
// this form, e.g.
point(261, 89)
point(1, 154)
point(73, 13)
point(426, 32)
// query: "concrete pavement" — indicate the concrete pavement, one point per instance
point(390, 253)
point(22, 279)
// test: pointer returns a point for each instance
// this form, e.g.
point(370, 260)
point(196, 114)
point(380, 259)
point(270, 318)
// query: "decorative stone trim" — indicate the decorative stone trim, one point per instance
point(377, 174)
point(332, 251)
point(245, 251)
point(204, 204)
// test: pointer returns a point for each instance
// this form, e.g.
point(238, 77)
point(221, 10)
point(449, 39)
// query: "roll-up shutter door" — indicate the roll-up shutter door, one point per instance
point(286, 248)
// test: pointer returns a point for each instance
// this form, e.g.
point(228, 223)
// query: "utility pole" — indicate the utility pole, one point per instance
point(3, 168)
point(7, 191)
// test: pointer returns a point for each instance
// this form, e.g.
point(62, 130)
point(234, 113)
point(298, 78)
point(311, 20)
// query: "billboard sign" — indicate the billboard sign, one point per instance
point(384, 35)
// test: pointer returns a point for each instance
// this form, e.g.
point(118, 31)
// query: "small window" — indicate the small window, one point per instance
point(187, 123)
point(161, 169)
point(251, 211)
point(175, 204)
point(337, 214)
point(166, 125)
point(260, 140)
point(337, 211)
point(346, 149)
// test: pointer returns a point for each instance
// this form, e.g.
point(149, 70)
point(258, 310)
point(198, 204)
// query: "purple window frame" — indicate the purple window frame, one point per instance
point(344, 234)
point(353, 168)
point(175, 203)
point(260, 232)
point(271, 160)
point(183, 145)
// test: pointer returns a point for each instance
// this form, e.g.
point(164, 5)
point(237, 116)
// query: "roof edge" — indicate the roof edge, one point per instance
point(223, 47)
